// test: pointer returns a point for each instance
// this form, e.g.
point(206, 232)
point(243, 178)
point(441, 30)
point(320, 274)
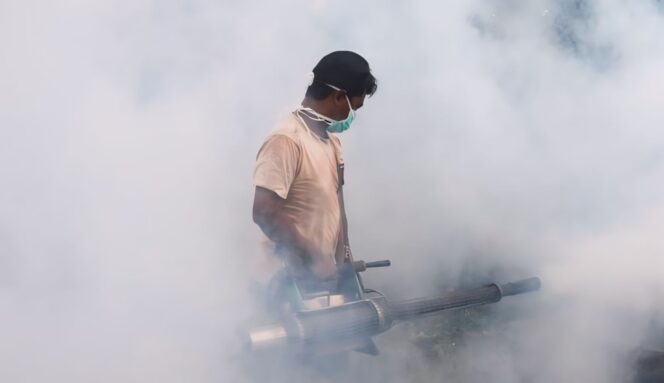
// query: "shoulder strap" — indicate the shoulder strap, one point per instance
point(342, 208)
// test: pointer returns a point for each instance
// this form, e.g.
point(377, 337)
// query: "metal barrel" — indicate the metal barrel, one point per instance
point(455, 300)
point(461, 299)
point(369, 317)
point(523, 286)
point(365, 317)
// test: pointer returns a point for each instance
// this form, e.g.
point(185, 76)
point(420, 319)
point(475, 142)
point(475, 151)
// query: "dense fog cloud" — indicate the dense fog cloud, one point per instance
point(506, 139)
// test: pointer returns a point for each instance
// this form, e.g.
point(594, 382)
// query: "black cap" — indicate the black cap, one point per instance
point(346, 70)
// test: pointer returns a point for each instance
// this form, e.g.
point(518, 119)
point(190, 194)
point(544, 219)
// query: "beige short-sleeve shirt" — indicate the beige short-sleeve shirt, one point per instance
point(301, 167)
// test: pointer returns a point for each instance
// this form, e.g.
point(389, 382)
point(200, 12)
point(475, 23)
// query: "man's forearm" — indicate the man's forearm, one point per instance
point(281, 229)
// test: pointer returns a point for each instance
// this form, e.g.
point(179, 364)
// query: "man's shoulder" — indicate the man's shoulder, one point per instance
point(289, 127)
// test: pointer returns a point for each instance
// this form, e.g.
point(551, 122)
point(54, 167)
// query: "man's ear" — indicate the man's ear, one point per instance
point(340, 97)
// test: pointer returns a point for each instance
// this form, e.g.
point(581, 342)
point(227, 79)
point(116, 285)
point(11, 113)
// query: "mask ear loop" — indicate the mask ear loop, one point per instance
point(334, 87)
point(312, 114)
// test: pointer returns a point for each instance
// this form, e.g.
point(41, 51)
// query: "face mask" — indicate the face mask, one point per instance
point(334, 126)
point(342, 125)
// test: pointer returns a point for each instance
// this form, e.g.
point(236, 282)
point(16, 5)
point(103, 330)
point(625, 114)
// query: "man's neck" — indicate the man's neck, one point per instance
point(318, 127)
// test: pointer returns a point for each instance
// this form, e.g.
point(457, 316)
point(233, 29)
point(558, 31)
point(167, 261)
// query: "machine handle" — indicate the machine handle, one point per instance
point(383, 263)
point(360, 266)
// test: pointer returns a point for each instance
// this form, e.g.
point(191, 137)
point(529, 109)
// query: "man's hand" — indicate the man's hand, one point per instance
point(323, 266)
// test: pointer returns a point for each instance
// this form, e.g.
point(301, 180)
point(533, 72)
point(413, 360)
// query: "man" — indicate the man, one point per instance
point(298, 201)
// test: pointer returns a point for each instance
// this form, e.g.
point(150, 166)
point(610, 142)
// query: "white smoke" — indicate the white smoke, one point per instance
point(517, 136)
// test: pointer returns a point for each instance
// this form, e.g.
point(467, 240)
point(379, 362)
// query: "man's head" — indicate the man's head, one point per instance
point(339, 78)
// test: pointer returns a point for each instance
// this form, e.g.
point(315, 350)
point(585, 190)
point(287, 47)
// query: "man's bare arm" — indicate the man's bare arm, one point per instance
point(268, 214)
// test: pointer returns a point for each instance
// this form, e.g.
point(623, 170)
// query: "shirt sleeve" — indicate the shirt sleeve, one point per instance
point(277, 164)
